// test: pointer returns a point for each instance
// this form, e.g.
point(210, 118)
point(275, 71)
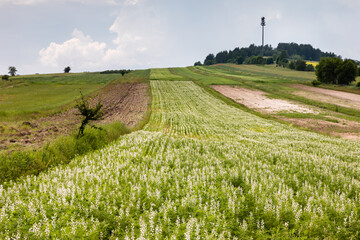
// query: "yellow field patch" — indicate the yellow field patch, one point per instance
point(313, 63)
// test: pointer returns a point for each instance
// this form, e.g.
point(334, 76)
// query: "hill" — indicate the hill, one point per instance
point(239, 55)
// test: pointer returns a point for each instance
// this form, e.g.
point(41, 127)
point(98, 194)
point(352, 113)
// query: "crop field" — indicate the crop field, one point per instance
point(24, 95)
point(200, 169)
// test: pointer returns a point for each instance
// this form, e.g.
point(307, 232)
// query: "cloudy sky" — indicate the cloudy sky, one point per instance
point(45, 36)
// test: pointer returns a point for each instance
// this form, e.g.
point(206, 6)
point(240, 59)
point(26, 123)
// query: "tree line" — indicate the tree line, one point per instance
point(252, 54)
point(336, 71)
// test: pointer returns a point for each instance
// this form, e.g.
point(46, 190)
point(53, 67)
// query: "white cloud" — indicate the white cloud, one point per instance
point(138, 43)
point(275, 15)
point(131, 2)
point(79, 51)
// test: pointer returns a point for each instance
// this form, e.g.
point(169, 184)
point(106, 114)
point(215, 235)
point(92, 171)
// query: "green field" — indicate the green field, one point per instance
point(200, 169)
point(27, 95)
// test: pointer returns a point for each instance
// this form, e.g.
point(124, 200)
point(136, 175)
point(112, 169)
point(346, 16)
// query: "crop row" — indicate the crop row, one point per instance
point(199, 170)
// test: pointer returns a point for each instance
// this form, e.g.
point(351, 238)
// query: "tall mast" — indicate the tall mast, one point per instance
point(263, 25)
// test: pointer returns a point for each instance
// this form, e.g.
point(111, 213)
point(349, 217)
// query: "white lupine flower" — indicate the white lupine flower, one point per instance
point(196, 154)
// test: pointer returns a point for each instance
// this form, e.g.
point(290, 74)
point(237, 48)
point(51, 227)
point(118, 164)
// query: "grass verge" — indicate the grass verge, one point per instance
point(61, 151)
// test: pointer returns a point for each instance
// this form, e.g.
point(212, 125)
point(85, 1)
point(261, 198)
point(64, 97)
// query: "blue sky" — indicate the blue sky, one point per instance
point(45, 36)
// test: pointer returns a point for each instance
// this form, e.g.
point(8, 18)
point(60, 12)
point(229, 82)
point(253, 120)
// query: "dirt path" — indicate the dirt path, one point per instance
point(126, 103)
point(350, 100)
point(256, 99)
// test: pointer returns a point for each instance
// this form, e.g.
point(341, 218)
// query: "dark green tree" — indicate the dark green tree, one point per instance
point(300, 65)
point(88, 113)
point(291, 65)
point(12, 70)
point(239, 60)
point(283, 57)
point(210, 59)
point(310, 68)
point(326, 70)
point(346, 72)
point(67, 69)
point(269, 60)
point(198, 63)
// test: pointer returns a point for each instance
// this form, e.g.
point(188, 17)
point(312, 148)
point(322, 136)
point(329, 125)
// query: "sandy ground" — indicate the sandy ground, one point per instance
point(126, 103)
point(256, 99)
point(344, 99)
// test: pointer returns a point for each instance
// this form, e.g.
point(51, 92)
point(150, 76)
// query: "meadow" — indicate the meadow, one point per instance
point(23, 96)
point(200, 169)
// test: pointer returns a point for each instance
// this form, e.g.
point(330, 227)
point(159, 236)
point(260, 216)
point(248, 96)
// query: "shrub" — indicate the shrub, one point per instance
point(5, 77)
point(310, 68)
point(88, 113)
point(358, 84)
point(300, 65)
point(270, 60)
point(326, 70)
point(346, 72)
point(315, 83)
point(336, 71)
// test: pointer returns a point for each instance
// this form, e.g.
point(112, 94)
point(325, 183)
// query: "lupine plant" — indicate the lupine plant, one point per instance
point(200, 169)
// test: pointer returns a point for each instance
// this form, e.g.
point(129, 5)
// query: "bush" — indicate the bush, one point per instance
point(315, 83)
point(292, 65)
point(358, 84)
point(255, 60)
point(300, 65)
point(5, 77)
point(346, 72)
point(269, 60)
point(310, 68)
point(336, 71)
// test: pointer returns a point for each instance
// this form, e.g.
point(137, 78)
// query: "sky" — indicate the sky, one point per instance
point(45, 36)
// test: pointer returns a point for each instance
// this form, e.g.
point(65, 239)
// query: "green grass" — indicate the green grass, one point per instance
point(275, 81)
point(64, 148)
point(190, 74)
point(165, 74)
point(268, 71)
point(307, 115)
point(60, 151)
point(28, 95)
point(200, 169)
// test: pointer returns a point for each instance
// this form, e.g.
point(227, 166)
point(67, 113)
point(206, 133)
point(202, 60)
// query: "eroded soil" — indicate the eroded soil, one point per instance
point(124, 102)
point(350, 100)
point(330, 124)
point(258, 100)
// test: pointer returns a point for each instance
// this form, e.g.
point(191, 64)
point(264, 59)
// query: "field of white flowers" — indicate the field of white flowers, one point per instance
point(200, 169)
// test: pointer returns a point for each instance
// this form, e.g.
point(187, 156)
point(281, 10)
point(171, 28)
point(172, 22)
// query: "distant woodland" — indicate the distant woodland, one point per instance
point(253, 54)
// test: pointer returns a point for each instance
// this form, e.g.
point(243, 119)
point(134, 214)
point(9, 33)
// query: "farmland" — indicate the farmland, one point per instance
point(27, 121)
point(202, 168)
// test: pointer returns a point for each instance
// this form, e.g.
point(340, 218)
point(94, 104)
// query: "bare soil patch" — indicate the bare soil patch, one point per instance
point(256, 99)
point(344, 128)
point(344, 99)
point(123, 102)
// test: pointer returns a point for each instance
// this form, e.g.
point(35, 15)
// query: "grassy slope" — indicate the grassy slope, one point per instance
point(277, 83)
point(64, 148)
point(26, 95)
point(201, 169)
